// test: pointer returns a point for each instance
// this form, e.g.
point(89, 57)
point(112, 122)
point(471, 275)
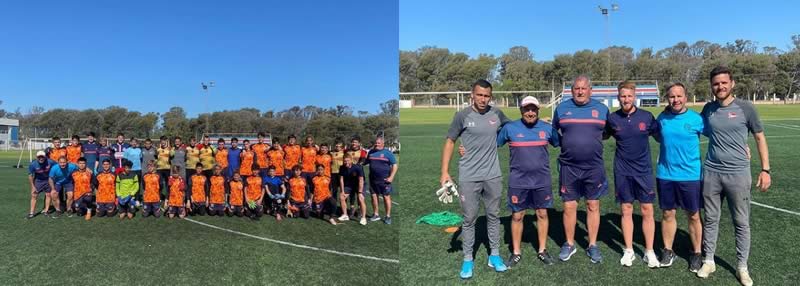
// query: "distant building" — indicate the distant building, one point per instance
point(646, 94)
point(9, 133)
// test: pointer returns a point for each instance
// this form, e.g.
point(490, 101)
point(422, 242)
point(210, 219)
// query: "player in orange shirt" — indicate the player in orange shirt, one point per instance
point(82, 196)
point(217, 192)
point(221, 155)
point(291, 154)
point(254, 197)
point(247, 159)
point(276, 160)
point(198, 198)
point(105, 183)
point(74, 150)
point(260, 150)
point(236, 199)
point(56, 151)
point(324, 158)
point(177, 193)
point(152, 191)
point(298, 197)
point(324, 202)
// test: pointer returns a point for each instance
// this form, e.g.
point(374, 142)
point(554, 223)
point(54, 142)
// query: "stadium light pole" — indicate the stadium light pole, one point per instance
point(206, 89)
point(605, 12)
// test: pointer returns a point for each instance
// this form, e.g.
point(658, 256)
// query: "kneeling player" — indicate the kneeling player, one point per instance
point(82, 193)
point(324, 202)
point(254, 197)
point(199, 200)
point(273, 183)
point(236, 200)
point(106, 190)
point(177, 194)
point(127, 187)
point(152, 192)
point(298, 202)
point(217, 193)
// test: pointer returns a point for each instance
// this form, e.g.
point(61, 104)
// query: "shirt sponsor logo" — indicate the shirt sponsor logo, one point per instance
point(519, 135)
point(642, 126)
point(470, 124)
point(731, 114)
point(492, 122)
point(595, 113)
point(542, 134)
point(568, 113)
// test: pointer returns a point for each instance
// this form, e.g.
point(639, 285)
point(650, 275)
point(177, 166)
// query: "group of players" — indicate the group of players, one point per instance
point(579, 127)
point(178, 179)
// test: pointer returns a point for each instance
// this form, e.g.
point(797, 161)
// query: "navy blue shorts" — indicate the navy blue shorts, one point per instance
point(105, 207)
point(686, 194)
point(635, 188)
point(42, 186)
point(524, 199)
point(217, 207)
point(575, 183)
point(347, 190)
point(175, 210)
point(151, 207)
point(83, 202)
point(68, 187)
point(379, 186)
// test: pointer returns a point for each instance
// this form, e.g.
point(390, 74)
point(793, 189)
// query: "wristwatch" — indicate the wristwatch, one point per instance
point(765, 170)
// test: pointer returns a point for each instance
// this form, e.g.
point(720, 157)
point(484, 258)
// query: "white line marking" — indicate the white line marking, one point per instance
point(295, 245)
point(774, 208)
point(791, 128)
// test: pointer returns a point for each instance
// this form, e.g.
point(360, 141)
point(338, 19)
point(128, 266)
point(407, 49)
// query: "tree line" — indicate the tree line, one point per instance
point(764, 70)
point(325, 124)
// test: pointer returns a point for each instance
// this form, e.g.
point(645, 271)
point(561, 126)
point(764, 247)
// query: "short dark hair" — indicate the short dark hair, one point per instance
point(221, 140)
point(261, 134)
point(76, 137)
point(246, 141)
point(720, 70)
point(82, 159)
point(355, 138)
point(120, 134)
point(56, 138)
point(127, 163)
point(91, 133)
point(163, 137)
point(106, 161)
point(198, 165)
point(271, 168)
point(673, 84)
point(177, 138)
point(291, 136)
point(482, 83)
point(234, 139)
point(296, 168)
point(148, 140)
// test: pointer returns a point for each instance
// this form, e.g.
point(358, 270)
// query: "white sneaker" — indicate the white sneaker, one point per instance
point(651, 259)
point(628, 256)
point(744, 277)
point(363, 221)
point(707, 268)
point(344, 217)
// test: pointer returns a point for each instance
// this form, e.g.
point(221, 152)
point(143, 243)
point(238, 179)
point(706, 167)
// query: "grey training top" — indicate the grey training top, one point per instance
point(727, 128)
point(147, 155)
point(478, 134)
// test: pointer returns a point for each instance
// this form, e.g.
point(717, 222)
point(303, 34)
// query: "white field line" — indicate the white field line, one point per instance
point(781, 126)
point(295, 245)
point(774, 208)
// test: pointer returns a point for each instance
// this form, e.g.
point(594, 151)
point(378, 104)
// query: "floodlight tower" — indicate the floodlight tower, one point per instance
point(206, 89)
point(605, 12)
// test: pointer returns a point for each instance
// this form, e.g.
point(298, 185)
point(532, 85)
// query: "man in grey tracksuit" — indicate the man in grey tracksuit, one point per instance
point(479, 176)
point(726, 171)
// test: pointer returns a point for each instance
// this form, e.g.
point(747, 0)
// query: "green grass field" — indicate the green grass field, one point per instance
point(430, 255)
point(150, 251)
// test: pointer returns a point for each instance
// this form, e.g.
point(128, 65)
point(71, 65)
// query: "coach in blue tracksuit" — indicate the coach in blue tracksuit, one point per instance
point(580, 123)
point(631, 128)
point(382, 168)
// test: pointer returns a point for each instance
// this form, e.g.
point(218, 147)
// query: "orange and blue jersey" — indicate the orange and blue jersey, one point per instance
point(237, 194)
point(177, 191)
point(260, 149)
point(56, 152)
point(632, 133)
point(581, 133)
point(276, 160)
point(74, 153)
point(152, 188)
point(217, 192)
point(221, 158)
point(292, 155)
point(309, 159)
point(297, 189)
point(325, 160)
point(254, 187)
point(198, 188)
point(246, 168)
point(529, 160)
point(82, 183)
point(106, 187)
point(322, 188)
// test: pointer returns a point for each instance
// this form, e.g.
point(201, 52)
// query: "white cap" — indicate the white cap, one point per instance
point(529, 100)
point(40, 153)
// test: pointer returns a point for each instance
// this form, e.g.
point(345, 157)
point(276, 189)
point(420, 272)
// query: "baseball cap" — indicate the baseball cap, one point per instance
point(40, 153)
point(529, 100)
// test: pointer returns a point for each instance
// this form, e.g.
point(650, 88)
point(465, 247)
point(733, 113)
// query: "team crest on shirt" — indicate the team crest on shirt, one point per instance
point(470, 124)
point(642, 126)
point(520, 135)
point(568, 113)
point(514, 199)
point(731, 114)
point(595, 113)
point(381, 156)
point(492, 122)
point(542, 134)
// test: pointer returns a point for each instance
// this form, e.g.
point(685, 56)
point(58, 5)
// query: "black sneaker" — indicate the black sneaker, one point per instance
point(545, 258)
point(513, 260)
point(667, 257)
point(56, 214)
point(695, 262)
point(31, 215)
point(69, 213)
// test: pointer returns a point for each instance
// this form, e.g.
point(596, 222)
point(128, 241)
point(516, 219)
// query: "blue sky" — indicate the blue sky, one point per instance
point(549, 28)
point(151, 55)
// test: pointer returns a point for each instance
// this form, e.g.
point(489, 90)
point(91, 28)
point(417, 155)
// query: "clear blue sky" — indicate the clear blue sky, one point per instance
point(549, 28)
point(151, 55)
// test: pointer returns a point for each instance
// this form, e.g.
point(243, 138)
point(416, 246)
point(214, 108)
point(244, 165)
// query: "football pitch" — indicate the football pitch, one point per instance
point(430, 255)
point(201, 251)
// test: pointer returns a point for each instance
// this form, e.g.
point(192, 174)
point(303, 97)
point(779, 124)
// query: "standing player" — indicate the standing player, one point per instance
point(632, 127)
point(291, 154)
point(149, 154)
point(382, 168)
point(106, 190)
point(127, 186)
point(323, 200)
point(309, 160)
point(299, 202)
point(119, 151)
point(480, 178)
point(177, 194)
point(234, 157)
point(39, 179)
point(163, 166)
point(82, 196)
point(678, 173)
point(74, 150)
point(192, 159)
point(351, 180)
point(199, 194)
point(260, 150)
point(152, 192)
point(254, 197)
point(221, 157)
point(726, 171)
point(216, 193)
point(104, 152)
point(207, 157)
point(357, 154)
point(56, 151)
point(134, 155)
point(247, 161)
point(179, 158)
point(236, 199)
point(276, 190)
point(276, 160)
point(324, 158)
point(61, 184)
point(580, 123)
point(337, 159)
point(89, 150)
